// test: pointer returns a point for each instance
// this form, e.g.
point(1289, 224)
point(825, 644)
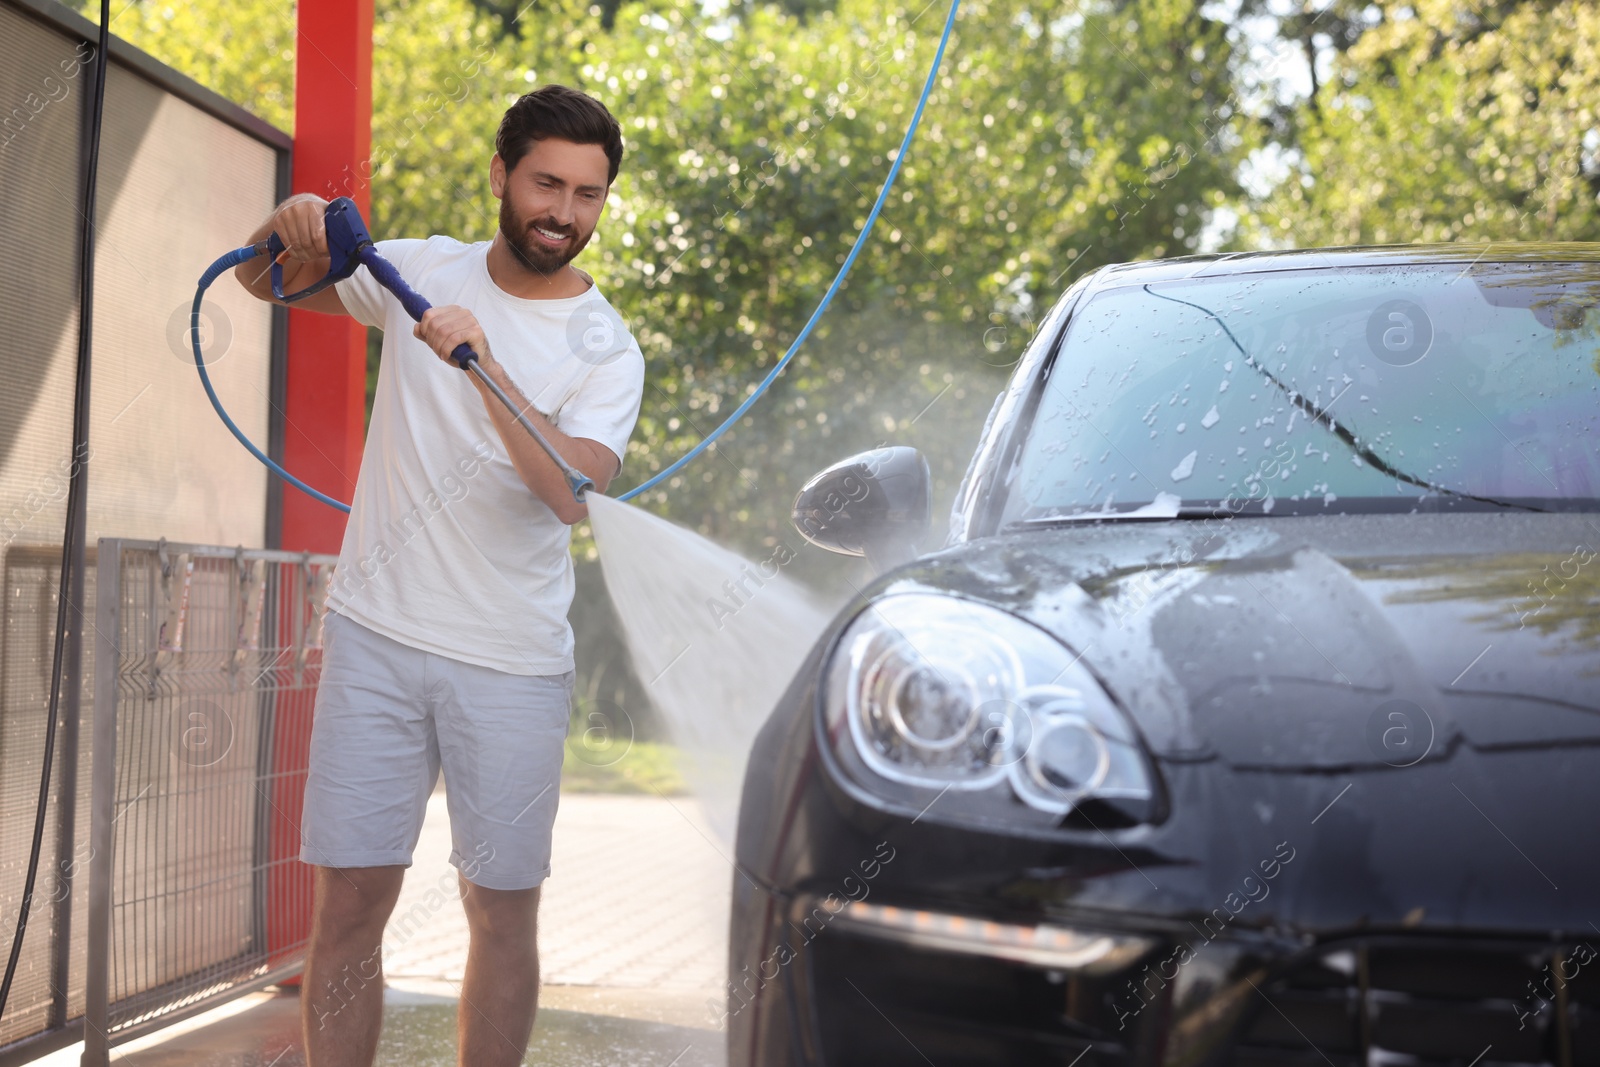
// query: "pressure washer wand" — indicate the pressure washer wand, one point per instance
point(577, 481)
point(350, 246)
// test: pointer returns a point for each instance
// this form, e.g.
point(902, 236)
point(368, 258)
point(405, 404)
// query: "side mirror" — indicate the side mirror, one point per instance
point(875, 504)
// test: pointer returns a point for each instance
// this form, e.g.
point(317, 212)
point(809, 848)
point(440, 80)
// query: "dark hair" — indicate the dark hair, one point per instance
point(560, 112)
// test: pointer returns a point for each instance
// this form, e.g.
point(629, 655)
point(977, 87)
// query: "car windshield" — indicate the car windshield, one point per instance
point(1355, 389)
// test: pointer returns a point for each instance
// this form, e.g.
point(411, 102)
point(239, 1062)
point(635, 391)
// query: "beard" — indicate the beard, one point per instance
point(518, 232)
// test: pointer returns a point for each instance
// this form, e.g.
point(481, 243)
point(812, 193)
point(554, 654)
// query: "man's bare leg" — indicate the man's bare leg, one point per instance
point(341, 997)
point(500, 993)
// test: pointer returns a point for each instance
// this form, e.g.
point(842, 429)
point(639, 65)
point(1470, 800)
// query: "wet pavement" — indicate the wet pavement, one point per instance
point(422, 1033)
point(632, 937)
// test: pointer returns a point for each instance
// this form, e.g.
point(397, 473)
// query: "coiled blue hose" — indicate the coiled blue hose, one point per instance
point(240, 255)
point(213, 272)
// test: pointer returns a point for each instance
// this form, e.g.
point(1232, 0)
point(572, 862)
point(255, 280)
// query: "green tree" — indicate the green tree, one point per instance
point(1051, 144)
point(1445, 123)
point(243, 50)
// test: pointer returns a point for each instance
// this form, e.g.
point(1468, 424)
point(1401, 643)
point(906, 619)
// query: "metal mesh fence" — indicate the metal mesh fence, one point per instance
point(171, 878)
point(49, 987)
point(217, 656)
point(218, 661)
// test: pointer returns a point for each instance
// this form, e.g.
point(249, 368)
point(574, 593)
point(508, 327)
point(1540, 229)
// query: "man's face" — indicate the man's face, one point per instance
point(551, 202)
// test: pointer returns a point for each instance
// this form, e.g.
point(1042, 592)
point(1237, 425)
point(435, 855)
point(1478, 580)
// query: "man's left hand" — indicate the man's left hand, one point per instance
point(444, 328)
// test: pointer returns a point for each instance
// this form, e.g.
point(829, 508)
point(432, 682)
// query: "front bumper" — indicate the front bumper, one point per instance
point(831, 990)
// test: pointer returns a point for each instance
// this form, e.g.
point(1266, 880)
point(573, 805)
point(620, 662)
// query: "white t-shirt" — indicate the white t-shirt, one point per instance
point(446, 549)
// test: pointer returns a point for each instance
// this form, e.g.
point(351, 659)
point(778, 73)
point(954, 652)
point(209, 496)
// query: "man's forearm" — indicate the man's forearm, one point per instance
point(534, 466)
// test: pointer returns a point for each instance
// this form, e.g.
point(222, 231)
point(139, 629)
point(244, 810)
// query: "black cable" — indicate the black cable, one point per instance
point(70, 590)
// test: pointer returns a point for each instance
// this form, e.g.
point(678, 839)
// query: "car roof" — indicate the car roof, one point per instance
point(1235, 263)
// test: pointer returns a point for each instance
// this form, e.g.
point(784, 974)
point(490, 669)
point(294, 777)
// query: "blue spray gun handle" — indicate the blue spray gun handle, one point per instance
point(347, 235)
point(350, 246)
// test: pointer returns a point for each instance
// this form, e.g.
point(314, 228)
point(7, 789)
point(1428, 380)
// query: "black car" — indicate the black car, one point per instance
point(1250, 712)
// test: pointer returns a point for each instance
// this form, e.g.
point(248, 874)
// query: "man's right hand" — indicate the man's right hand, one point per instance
point(305, 260)
point(298, 224)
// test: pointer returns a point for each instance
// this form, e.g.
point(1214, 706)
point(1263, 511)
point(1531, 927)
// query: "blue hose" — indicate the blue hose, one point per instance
point(855, 249)
point(213, 272)
point(240, 255)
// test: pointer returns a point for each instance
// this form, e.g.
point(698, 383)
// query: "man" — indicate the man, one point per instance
point(447, 643)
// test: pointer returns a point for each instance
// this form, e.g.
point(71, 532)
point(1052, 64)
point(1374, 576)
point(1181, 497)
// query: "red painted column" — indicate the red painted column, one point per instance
point(323, 413)
point(327, 371)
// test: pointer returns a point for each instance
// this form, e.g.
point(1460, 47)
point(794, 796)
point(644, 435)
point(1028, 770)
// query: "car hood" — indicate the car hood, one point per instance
point(1320, 642)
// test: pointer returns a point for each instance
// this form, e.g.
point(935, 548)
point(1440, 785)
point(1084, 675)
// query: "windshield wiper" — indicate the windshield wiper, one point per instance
point(1321, 416)
point(1137, 515)
point(1165, 507)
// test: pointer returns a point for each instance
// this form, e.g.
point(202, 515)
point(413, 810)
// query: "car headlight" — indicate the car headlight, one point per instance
point(934, 693)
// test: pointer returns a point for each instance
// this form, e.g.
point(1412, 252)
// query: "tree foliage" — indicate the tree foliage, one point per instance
point(1451, 122)
point(755, 155)
point(243, 51)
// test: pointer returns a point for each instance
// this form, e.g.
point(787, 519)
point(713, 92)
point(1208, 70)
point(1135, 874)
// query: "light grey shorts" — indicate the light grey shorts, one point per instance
point(389, 716)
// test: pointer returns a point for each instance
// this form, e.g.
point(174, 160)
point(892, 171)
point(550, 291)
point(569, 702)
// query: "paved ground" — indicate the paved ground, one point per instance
point(633, 935)
point(420, 1032)
point(636, 905)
